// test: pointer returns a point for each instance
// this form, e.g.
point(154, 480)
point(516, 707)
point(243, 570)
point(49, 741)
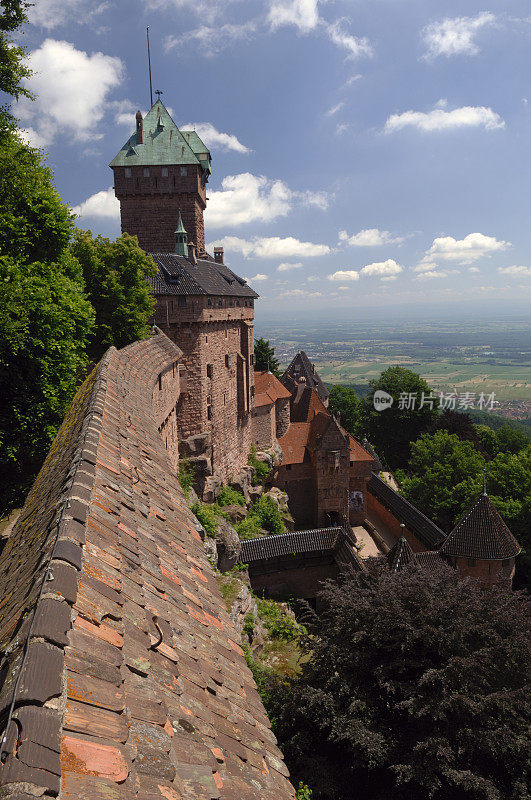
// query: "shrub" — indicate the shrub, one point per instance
point(304, 792)
point(279, 625)
point(207, 516)
point(186, 475)
point(261, 469)
point(248, 625)
point(269, 515)
point(249, 528)
point(230, 497)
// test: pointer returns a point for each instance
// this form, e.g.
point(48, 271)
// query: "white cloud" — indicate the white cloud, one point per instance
point(102, 205)
point(258, 277)
point(439, 119)
point(431, 274)
point(51, 14)
point(334, 109)
point(273, 247)
point(286, 266)
point(344, 275)
point(380, 268)
point(300, 293)
point(71, 88)
point(342, 128)
point(211, 40)
point(455, 36)
point(514, 270)
point(303, 14)
point(474, 269)
point(370, 237)
point(465, 251)
point(214, 139)
point(355, 46)
point(389, 278)
point(249, 198)
point(352, 80)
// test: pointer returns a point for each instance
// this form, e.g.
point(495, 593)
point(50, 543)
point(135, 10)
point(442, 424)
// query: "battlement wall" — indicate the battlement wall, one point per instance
point(121, 674)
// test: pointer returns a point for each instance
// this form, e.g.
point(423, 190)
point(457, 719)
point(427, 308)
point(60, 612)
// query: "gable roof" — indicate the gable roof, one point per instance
point(305, 403)
point(127, 674)
point(415, 521)
point(301, 367)
point(481, 533)
point(179, 275)
point(164, 144)
point(268, 388)
point(331, 541)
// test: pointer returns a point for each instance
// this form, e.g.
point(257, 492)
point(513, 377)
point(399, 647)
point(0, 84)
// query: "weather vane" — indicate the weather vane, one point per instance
point(158, 93)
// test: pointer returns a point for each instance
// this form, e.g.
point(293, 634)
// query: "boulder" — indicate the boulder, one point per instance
point(228, 545)
point(234, 513)
point(277, 454)
point(195, 445)
point(211, 548)
point(279, 497)
point(202, 465)
point(266, 457)
point(243, 481)
point(211, 488)
point(255, 492)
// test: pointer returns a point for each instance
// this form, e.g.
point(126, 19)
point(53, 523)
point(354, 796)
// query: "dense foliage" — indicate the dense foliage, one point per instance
point(264, 357)
point(344, 401)
point(13, 67)
point(415, 687)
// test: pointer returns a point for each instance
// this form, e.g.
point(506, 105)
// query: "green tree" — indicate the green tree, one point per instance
point(343, 400)
point(116, 281)
point(392, 430)
point(412, 686)
point(487, 439)
point(44, 327)
point(13, 69)
point(264, 357)
point(444, 476)
point(511, 440)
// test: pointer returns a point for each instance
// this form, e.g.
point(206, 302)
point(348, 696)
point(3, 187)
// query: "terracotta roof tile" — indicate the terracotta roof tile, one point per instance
point(269, 386)
point(481, 533)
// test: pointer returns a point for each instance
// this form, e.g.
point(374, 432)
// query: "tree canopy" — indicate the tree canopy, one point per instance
point(392, 430)
point(412, 686)
point(343, 400)
point(264, 357)
point(13, 69)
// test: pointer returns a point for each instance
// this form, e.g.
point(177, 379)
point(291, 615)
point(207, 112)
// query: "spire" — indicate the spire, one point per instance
point(399, 555)
point(482, 534)
point(181, 238)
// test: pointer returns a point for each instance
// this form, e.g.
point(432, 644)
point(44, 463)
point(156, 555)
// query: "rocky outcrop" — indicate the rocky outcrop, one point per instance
point(243, 481)
point(228, 545)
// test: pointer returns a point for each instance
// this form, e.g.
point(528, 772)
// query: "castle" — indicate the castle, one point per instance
point(121, 673)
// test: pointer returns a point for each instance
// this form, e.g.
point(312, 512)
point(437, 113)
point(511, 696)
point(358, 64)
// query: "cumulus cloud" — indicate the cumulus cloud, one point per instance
point(300, 293)
point(273, 247)
point(72, 88)
point(214, 139)
point(286, 266)
point(465, 251)
point(248, 198)
point(474, 269)
point(102, 205)
point(344, 275)
point(455, 36)
point(303, 14)
point(514, 270)
point(211, 40)
point(370, 237)
point(440, 119)
point(381, 268)
point(51, 14)
point(431, 274)
point(258, 277)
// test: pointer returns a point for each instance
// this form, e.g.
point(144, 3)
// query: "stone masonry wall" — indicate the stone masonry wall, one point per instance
point(126, 673)
point(332, 464)
point(264, 426)
point(282, 414)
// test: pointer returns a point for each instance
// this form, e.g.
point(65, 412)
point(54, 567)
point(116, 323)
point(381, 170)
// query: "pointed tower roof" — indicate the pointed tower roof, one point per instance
point(301, 367)
point(163, 144)
point(481, 533)
point(180, 225)
point(399, 555)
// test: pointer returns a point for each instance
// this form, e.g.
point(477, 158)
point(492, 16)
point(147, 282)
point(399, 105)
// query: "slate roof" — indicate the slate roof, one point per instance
point(164, 144)
point(286, 544)
point(415, 521)
point(430, 561)
point(481, 533)
point(178, 275)
point(301, 366)
point(128, 679)
point(306, 403)
point(400, 555)
point(268, 389)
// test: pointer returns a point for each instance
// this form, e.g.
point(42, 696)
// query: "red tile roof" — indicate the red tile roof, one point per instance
point(295, 442)
point(130, 640)
point(268, 389)
point(481, 534)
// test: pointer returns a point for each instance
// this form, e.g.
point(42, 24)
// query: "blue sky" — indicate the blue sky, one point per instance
point(364, 153)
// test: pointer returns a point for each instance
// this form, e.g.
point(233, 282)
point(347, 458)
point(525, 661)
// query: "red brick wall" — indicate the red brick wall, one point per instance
point(488, 572)
point(207, 334)
point(165, 398)
point(150, 206)
point(282, 412)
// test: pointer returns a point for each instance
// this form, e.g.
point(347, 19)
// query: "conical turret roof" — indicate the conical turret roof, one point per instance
point(481, 533)
point(399, 555)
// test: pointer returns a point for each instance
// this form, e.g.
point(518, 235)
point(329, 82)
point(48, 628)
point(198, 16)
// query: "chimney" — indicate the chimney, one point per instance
point(191, 253)
point(218, 255)
point(139, 128)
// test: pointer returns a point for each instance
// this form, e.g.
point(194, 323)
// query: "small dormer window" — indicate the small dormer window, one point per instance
point(128, 172)
point(146, 172)
point(184, 171)
point(164, 172)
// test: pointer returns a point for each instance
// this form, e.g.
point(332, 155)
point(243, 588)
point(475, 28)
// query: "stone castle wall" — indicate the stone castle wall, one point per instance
point(126, 672)
point(264, 426)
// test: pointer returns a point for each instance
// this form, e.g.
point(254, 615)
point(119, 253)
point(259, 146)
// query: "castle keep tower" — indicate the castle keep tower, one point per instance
point(160, 177)
point(161, 172)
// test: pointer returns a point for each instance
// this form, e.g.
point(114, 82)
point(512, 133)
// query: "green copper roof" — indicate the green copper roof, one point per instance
point(164, 144)
point(180, 226)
